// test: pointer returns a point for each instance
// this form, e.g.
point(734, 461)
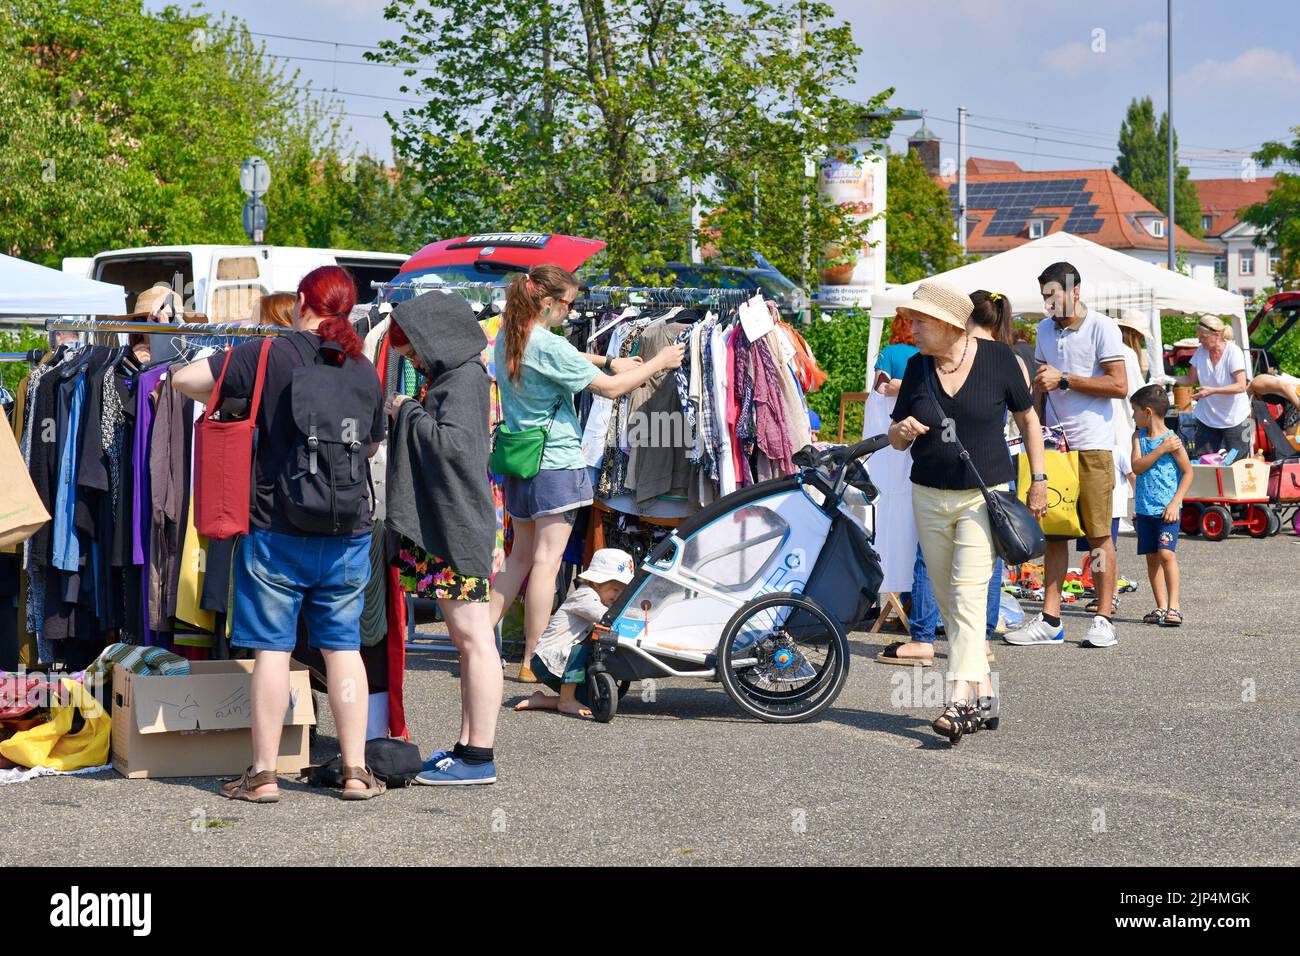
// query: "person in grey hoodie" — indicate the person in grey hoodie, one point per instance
point(439, 507)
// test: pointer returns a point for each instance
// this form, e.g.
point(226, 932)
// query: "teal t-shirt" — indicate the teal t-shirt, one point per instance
point(553, 372)
point(893, 359)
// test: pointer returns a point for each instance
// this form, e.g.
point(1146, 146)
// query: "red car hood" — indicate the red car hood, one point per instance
point(513, 248)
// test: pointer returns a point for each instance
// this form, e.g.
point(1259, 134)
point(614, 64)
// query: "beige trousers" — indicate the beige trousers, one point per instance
point(957, 542)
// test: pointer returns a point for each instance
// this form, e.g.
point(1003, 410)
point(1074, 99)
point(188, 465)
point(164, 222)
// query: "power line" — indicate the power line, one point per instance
point(369, 96)
point(282, 36)
point(1024, 152)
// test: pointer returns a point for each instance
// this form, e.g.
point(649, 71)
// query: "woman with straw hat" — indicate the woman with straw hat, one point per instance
point(955, 395)
point(1222, 409)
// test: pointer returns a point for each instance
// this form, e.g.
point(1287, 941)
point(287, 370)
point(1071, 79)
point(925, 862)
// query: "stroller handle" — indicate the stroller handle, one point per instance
point(866, 447)
point(809, 456)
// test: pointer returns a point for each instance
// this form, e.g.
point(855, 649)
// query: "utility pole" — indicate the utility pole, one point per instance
point(1169, 81)
point(961, 177)
point(803, 139)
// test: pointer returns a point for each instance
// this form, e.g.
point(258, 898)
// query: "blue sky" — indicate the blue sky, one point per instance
point(1046, 82)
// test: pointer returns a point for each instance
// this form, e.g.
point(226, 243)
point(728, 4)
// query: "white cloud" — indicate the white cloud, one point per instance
point(1256, 68)
point(1102, 49)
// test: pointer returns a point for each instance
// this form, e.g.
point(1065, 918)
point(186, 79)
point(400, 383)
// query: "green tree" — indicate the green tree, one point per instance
point(1278, 216)
point(1143, 163)
point(919, 239)
point(126, 127)
point(593, 117)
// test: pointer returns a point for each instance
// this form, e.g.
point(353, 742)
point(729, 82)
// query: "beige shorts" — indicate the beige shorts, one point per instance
point(1096, 488)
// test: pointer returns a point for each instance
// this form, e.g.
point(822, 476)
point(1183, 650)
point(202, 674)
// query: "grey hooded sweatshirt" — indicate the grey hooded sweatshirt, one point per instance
point(438, 490)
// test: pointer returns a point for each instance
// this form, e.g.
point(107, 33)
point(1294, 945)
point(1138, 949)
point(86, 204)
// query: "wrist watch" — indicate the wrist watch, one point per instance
point(1037, 477)
point(1064, 384)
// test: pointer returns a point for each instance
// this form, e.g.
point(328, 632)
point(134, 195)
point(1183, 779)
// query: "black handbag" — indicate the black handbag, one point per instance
point(1017, 535)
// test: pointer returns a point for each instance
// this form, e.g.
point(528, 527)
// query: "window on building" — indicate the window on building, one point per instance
point(1037, 228)
point(1157, 227)
point(1220, 265)
point(1246, 262)
point(1273, 260)
point(1206, 222)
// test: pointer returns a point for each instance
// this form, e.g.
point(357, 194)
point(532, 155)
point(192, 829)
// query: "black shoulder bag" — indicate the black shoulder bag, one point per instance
point(1017, 535)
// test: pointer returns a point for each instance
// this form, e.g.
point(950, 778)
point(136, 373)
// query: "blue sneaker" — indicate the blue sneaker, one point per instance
point(434, 759)
point(451, 771)
point(1036, 633)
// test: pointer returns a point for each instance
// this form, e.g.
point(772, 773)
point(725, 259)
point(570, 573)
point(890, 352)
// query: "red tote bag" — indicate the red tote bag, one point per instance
point(223, 462)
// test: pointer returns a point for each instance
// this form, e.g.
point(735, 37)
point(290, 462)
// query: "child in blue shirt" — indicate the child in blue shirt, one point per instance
point(1164, 473)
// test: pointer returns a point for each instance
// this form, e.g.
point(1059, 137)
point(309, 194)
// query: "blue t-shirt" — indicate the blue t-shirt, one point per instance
point(553, 371)
point(892, 359)
point(1157, 485)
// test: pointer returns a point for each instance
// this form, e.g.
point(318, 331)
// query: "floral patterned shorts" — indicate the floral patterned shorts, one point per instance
point(432, 578)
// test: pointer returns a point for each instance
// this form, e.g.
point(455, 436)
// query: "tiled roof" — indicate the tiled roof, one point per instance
point(1093, 203)
point(1222, 198)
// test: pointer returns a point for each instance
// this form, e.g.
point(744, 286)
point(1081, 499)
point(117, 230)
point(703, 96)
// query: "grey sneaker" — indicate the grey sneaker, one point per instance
point(1101, 634)
point(1035, 632)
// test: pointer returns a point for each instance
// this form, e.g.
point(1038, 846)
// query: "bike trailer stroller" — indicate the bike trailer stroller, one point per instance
point(757, 591)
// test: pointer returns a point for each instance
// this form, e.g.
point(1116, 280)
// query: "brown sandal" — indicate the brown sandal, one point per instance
point(374, 786)
point(245, 787)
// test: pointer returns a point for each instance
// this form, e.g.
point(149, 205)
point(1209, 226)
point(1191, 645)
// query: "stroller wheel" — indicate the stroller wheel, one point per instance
point(602, 692)
point(782, 658)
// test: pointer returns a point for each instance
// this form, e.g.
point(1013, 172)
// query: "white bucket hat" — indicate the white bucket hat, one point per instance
point(608, 564)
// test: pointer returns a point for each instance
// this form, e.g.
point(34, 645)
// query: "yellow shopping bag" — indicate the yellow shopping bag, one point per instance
point(1062, 469)
point(53, 744)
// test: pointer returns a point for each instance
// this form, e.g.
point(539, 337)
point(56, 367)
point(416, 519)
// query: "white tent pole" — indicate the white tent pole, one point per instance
point(873, 347)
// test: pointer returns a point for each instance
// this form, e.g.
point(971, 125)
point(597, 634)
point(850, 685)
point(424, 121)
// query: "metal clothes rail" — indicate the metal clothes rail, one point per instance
point(163, 328)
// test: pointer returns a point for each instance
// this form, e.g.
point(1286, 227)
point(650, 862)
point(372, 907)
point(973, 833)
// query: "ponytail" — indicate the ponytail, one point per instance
point(330, 293)
point(992, 311)
point(523, 306)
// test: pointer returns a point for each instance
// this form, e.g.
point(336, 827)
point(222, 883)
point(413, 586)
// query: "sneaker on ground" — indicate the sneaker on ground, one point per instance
point(435, 758)
point(1034, 632)
point(1101, 634)
point(451, 771)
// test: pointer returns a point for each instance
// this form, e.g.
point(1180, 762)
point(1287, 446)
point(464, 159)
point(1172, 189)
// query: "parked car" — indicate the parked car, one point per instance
point(225, 282)
point(790, 300)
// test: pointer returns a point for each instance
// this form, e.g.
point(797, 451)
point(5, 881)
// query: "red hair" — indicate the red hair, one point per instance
point(396, 337)
point(900, 331)
point(330, 293)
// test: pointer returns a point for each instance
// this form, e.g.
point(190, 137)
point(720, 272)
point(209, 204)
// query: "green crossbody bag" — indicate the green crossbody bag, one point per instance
point(519, 454)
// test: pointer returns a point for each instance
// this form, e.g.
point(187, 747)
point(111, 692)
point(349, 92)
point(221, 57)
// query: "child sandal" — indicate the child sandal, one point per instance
point(1173, 618)
point(1155, 617)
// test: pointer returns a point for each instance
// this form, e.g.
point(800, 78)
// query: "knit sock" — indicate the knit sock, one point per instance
point(1053, 619)
point(473, 755)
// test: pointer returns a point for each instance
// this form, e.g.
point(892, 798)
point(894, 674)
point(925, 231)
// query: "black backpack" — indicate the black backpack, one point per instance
point(324, 488)
point(393, 761)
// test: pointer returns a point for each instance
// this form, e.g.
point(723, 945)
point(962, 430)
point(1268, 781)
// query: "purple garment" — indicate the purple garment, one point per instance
point(144, 386)
point(772, 435)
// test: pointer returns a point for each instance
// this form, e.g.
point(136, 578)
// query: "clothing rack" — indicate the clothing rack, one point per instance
point(162, 328)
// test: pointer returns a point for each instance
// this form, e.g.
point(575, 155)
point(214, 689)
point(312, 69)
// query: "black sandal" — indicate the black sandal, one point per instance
point(960, 718)
point(988, 713)
point(1173, 618)
point(1155, 617)
point(1094, 606)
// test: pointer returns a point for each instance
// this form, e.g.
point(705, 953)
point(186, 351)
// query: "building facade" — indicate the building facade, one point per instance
point(1240, 265)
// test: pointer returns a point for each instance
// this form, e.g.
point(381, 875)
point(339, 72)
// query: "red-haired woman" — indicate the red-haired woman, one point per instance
point(538, 373)
point(288, 566)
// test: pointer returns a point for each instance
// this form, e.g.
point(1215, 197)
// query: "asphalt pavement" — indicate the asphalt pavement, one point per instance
point(1175, 747)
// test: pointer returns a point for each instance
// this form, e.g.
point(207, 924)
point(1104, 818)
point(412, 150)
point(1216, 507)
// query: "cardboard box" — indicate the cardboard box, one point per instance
point(1242, 480)
point(199, 724)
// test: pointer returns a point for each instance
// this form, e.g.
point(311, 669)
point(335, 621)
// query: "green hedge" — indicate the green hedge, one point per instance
point(839, 341)
point(15, 372)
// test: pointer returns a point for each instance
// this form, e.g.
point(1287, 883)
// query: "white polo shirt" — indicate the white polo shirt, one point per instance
point(1220, 411)
point(1081, 352)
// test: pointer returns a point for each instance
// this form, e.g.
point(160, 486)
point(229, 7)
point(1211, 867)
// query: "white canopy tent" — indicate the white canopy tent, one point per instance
point(1111, 282)
point(28, 290)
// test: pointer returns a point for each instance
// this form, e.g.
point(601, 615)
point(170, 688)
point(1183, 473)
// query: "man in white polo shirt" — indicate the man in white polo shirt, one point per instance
point(1082, 370)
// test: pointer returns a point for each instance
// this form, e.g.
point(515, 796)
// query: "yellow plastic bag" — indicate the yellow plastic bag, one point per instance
point(52, 744)
point(1062, 468)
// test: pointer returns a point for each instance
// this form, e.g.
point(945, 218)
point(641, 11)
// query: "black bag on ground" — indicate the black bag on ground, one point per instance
point(846, 579)
point(391, 760)
point(324, 488)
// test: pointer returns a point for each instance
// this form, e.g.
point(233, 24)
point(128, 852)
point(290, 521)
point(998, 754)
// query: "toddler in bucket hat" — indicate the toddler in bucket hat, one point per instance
point(560, 661)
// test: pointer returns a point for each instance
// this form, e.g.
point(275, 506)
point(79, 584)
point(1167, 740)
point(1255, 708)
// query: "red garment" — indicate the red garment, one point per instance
point(810, 374)
point(396, 637)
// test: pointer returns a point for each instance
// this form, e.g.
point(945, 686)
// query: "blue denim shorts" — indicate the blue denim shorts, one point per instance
point(279, 576)
point(551, 491)
point(1155, 534)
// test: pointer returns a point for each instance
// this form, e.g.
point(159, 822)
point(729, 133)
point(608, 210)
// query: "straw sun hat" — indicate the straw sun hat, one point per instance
point(938, 300)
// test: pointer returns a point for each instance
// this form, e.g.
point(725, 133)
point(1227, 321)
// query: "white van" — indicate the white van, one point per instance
point(225, 282)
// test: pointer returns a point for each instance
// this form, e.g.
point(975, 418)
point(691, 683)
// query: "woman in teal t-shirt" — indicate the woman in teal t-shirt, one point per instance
point(538, 373)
